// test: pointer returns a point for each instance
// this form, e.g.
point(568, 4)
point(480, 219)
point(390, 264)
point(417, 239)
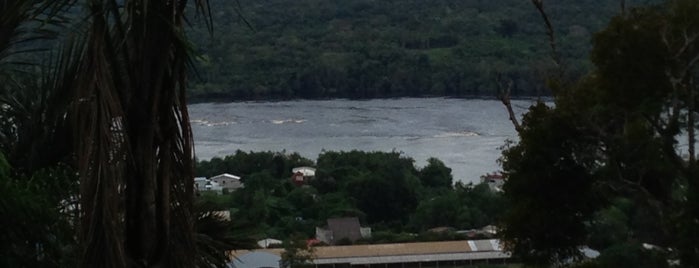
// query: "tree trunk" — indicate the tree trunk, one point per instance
point(136, 164)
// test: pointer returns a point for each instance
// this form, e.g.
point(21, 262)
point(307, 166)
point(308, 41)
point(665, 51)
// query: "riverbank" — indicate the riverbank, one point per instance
point(466, 134)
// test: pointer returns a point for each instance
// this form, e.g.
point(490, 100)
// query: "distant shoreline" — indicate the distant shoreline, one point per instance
point(198, 100)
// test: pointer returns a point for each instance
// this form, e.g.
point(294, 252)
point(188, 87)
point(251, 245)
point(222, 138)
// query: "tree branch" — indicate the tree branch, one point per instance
point(504, 96)
point(539, 4)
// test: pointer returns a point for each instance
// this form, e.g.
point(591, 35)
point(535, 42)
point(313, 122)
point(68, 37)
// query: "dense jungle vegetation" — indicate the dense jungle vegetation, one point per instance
point(279, 49)
point(383, 189)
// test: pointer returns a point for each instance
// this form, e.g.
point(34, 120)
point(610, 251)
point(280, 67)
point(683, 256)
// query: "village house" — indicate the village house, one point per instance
point(228, 181)
point(269, 242)
point(301, 175)
point(204, 184)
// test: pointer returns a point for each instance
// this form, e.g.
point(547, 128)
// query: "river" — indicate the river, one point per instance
point(466, 134)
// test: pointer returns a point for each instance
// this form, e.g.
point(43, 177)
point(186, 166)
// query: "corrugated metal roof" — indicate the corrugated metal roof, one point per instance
point(416, 258)
point(483, 245)
point(405, 252)
point(392, 249)
point(225, 175)
point(255, 260)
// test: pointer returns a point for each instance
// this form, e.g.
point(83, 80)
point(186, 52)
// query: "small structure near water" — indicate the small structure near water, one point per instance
point(268, 242)
point(494, 180)
point(228, 181)
point(301, 175)
point(203, 184)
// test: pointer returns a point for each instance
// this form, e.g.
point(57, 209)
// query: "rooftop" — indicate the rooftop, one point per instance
point(404, 252)
point(226, 175)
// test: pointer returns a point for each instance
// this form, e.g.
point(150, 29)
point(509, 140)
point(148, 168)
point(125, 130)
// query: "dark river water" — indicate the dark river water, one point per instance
point(465, 134)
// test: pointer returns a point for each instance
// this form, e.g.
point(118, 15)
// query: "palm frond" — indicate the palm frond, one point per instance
point(135, 155)
point(25, 22)
point(34, 127)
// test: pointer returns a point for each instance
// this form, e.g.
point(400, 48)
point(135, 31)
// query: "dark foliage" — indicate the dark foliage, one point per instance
point(369, 49)
point(385, 190)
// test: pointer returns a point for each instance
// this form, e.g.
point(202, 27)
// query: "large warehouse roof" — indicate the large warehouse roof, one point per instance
point(406, 252)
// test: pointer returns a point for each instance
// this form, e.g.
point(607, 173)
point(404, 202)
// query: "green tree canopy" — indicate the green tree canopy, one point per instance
point(436, 174)
point(616, 134)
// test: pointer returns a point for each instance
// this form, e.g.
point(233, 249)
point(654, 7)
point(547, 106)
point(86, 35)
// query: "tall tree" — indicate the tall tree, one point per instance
point(549, 188)
point(616, 133)
point(133, 138)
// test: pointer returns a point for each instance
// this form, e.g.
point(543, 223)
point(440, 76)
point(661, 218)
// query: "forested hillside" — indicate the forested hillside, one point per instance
point(275, 49)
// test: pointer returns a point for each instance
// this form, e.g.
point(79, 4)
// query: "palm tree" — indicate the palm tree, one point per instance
point(29, 113)
point(133, 138)
point(117, 87)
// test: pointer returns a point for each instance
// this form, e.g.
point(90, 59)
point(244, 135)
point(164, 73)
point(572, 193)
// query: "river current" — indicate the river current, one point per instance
point(466, 134)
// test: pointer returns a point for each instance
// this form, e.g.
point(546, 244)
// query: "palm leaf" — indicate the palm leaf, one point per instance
point(130, 113)
point(25, 22)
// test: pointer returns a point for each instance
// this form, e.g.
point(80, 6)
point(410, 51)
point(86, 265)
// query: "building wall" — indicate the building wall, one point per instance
point(366, 232)
point(228, 183)
point(345, 228)
point(324, 235)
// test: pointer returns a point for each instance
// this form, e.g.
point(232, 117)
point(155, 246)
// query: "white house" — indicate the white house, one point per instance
point(200, 183)
point(306, 171)
point(228, 181)
point(267, 242)
point(204, 184)
point(300, 175)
